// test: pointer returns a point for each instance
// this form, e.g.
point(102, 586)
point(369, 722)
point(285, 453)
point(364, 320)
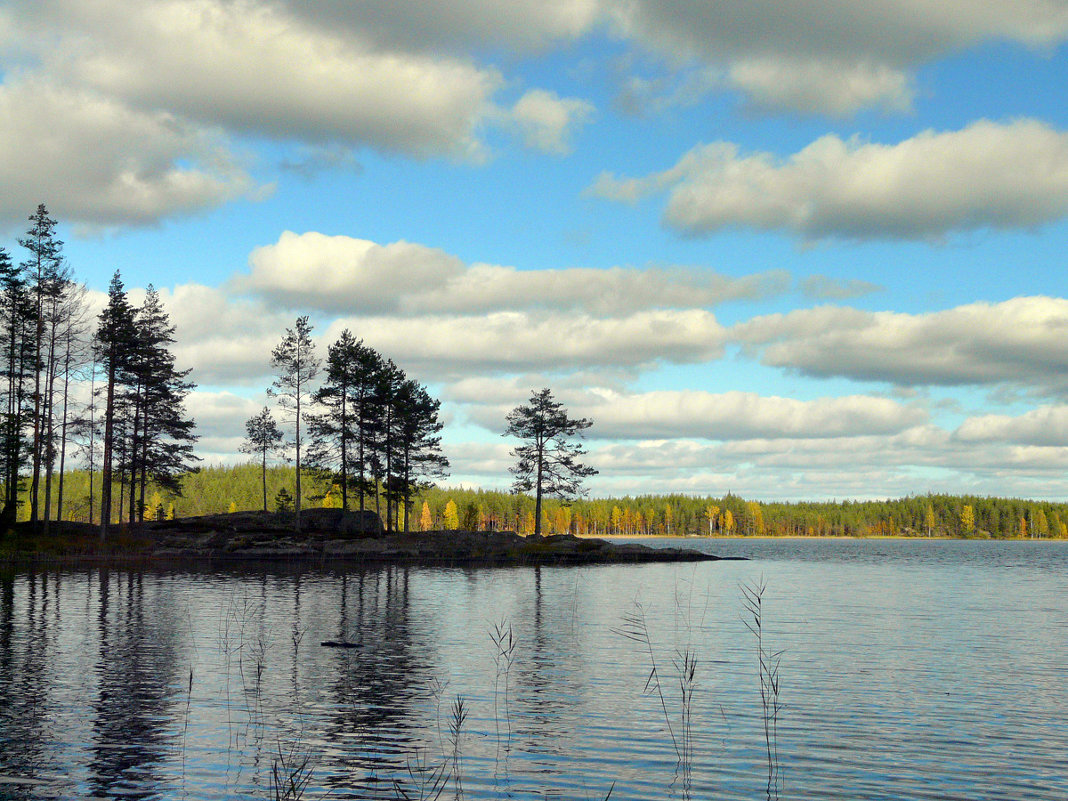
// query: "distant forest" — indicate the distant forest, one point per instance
point(214, 490)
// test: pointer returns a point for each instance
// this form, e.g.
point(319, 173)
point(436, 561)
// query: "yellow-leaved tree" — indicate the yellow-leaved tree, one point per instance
point(426, 520)
point(967, 519)
point(233, 507)
point(452, 516)
point(756, 518)
point(929, 519)
point(728, 522)
point(712, 514)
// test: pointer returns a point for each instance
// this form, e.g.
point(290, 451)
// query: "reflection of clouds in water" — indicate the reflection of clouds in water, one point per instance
point(94, 674)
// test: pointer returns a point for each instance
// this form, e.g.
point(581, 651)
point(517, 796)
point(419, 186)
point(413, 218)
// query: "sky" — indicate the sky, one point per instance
point(785, 249)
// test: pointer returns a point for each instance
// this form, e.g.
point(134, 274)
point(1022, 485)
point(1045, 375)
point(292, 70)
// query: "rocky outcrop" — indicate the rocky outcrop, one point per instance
point(331, 536)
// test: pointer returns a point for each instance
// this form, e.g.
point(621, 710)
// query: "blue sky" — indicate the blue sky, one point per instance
point(792, 250)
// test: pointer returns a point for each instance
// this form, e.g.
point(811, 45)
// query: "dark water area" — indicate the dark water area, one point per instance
point(909, 670)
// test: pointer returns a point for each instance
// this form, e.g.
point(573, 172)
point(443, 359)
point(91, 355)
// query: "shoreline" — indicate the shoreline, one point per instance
point(327, 538)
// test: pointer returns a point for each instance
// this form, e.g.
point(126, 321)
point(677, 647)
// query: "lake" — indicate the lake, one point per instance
point(908, 670)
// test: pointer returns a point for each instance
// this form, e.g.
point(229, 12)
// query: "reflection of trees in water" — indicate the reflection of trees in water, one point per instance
point(546, 687)
point(372, 728)
point(25, 684)
point(136, 666)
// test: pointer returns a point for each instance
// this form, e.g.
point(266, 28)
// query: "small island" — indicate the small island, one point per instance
point(328, 538)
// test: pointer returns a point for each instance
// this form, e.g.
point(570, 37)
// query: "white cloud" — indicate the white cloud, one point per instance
point(393, 76)
point(143, 166)
point(1046, 426)
point(509, 342)
point(255, 68)
point(821, 86)
point(221, 415)
point(547, 120)
point(745, 415)
point(692, 414)
point(342, 274)
point(834, 56)
point(1023, 341)
point(988, 175)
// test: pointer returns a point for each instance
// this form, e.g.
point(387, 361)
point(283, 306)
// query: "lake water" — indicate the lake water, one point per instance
point(909, 670)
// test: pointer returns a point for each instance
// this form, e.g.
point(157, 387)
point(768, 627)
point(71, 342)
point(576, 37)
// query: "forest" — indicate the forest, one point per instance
point(232, 488)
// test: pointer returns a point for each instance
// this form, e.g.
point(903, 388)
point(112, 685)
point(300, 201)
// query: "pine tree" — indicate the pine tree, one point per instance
point(161, 437)
point(44, 268)
point(115, 336)
point(417, 443)
point(294, 359)
point(264, 439)
point(341, 435)
point(19, 327)
point(548, 462)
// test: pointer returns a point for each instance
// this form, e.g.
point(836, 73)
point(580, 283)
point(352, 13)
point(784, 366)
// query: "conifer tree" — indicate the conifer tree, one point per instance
point(19, 327)
point(548, 461)
point(161, 437)
point(263, 438)
point(44, 270)
point(115, 336)
point(294, 359)
point(417, 443)
point(341, 435)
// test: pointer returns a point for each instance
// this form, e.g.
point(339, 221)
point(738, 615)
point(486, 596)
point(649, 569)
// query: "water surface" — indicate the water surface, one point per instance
point(910, 669)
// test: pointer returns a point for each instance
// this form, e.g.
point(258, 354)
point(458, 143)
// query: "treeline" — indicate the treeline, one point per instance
point(220, 489)
point(103, 390)
point(731, 515)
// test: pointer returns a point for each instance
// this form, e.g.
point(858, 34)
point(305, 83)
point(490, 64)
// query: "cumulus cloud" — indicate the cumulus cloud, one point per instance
point(547, 120)
point(830, 57)
point(144, 166)
point(988, 175)
point(899, 31)
point(691, 414)
point(508, 342)
point(343, 274)
point(1046, 426)
point(253, 67)
point(821, 86)
point(1023, 341)
point(227, 340)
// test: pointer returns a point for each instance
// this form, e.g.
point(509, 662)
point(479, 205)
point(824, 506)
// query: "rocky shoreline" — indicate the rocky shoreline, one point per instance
point(330, 537)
